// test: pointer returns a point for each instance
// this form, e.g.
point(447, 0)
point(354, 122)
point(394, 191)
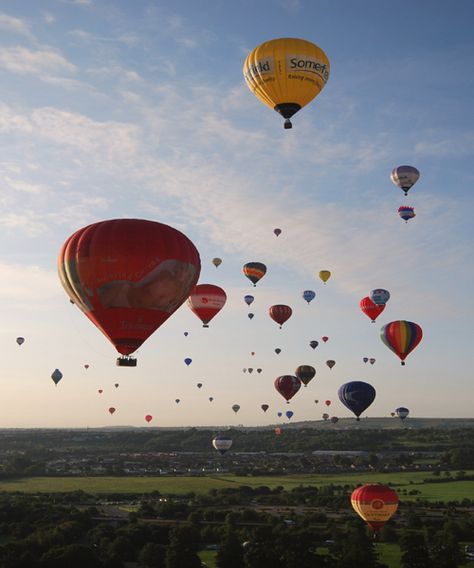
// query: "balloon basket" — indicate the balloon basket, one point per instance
point(126, 362)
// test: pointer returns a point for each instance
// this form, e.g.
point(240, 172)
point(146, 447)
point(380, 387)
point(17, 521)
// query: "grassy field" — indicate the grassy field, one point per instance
point(446, 491)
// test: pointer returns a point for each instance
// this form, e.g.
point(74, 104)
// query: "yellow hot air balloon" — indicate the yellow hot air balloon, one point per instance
point(324, 275)
point(217, 261)
point(375, 503)
point(286, 74)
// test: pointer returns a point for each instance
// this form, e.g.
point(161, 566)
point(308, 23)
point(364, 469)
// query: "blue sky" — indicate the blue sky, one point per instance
point(139, 109)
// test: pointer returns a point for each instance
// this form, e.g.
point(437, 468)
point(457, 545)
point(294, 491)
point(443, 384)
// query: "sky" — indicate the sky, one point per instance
point(139, 109)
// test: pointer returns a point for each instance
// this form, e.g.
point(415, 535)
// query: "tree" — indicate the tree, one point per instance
point(357, 550)
point(182, 549)
point(414, 550)
point(152, 555)
point(231, 553)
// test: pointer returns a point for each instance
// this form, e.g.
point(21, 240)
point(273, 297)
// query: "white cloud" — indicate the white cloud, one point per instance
point(25, 61)
point(15, 25)
point(23, 284)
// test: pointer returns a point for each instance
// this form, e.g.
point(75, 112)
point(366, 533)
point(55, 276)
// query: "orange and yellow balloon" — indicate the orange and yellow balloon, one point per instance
point(375, 503)
point(286, 74)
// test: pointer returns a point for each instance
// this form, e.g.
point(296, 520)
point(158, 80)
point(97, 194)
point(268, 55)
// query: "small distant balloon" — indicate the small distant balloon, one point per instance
point(222, 444)
point(330, 363)
point(188, 361)
point(278, 351)
point(211, 398)
point(217, 261)
point(254, 271)
point(199, 385)
point(278, 431)
point(325, 338)
point(371, 360)
point(100, 391)
point(406, 212)
point(248, 299)
point(259, 371)
point(316, 401)
point(405, 177)
point(402, 412)
point(250, 315)
point(309, 295)
point(116, 385)
point(86, 366)
point(327, 402)
point(280, 313)
point(186, 333)
point(289, 414)
point(379, 296)
point(334, 419)
point(177, 400)
point(56, 375)
point(365, 359)
point(20, 340)
point(236, 408)
point(325, 416)
point(264, 407)
point(250, 369)
point(277, 232)
point(324, 275)
point(279, 414)
point(313, 344)
point(111, 410)
point(244, 370)
point(148, 417)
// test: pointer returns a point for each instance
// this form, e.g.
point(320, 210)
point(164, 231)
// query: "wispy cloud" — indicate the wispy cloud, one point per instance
point(26, 61)
point(15, 25)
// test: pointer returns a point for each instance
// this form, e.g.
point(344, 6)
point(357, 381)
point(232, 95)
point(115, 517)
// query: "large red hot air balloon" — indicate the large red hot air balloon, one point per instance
point(128, 276)
point(280, 313)
point(371, 309)
point(375, 503)
point(206, 300)
point(287, 386)
point(401, 337)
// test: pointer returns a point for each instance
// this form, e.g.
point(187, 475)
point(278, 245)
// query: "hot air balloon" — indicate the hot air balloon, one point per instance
point(259, 371)
point(100, 391)
point(148, 417)
point(325, 338)
point(252, 353)
point(211, 398)
point(392, 414)
point(327, 402)
point(379, 296)
point(279, 414)
point(289, 414)
point(277, 232)
point(313, 344)
point(250, 315)
point(401, 337)
point(280, 313)
point(286, 74)
point(222, 444)
point(56, 375)
point(334, 419)
point(406, 212)
point(217, 261)
point(86, 366)
point(250, 369)
point(177, 400)
point(128, 276)
point(356, 396)
point(244, 370)
point(287, 386)
point(254, 271)
point(278, 431)
point(20, 340)
point(248, 299)
point(199, 385)
point(325, 416)
point(186, 334)
point(309, 295)
point(365, 359)
point(405, 177)
point(375, 504)
point(305, 373)
point(370, 309)
point(330, 363)
point(278, 351)
point(188, 361)
point(264, 407)
point(116, 385)
point(111, 410)
point(371, 360)
point(316, 401)
point(324, 275)
point(206, 300)
point(402, 412)
point(236, 408)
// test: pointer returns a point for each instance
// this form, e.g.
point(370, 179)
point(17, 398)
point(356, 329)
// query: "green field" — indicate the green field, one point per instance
point(446, 491)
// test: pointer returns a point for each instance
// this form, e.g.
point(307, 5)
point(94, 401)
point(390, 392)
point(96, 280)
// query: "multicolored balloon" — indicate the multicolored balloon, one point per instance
point(206, 301)
point(375, 504)
point(370, 308)
point(222, 444)
point(128, 276)
point(254, 271)
point(401, 337)
point(379, 296)
point(402, 412)
point(405, 177)
point(357, 396)
point(280, 313)
point(287, 386)
point(286, 74)
point(406, 212)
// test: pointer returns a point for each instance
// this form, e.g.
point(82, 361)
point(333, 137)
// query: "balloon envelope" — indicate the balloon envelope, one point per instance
point(148, 417)
point(305, 373)
point(56, 375)
point(188, 361)
point(375, 504)
point(20, 340)
point(289, 414)
point(402, 412)
point(222, 444)
point(379, 296)
point(277, 232)
point(313, 344)
point(206, 300)
point(406, 212)
point(324, 275)
point(248, 299)
point(264, 407)
point(286, 74)
point(254, 271)
point(111, 410)
point(401, 337)
point(405, 177)
point(277, 350)
point(309, 295)
point(356, 396)
point(287, 386)
point(236, 408)
point(330, 363)
point(128, 276)
point(217, 261)
point(280, 313)
point(371, 309)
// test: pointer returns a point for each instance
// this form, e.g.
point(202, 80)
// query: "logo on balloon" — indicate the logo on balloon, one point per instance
point(308, 65)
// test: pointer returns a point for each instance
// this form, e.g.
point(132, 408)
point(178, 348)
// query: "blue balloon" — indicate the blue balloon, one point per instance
point(280, 414)
point(248, 299)
point(356, 396)
point(289, 414)
point(402, 412)
point(309, 295)
point(188, 361)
